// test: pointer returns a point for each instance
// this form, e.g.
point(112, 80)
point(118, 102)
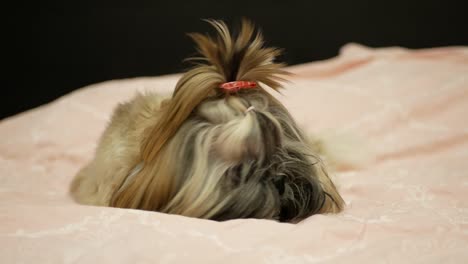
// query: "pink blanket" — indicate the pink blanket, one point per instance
point(409, 204)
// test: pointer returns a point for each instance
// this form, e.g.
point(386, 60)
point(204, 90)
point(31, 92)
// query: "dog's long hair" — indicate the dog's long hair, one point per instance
point(205, 156)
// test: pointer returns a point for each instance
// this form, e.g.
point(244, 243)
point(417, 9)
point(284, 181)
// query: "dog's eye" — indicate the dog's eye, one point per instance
point(279, 184)
point(235, 175)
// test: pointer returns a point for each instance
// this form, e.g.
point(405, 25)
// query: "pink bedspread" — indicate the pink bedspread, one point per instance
point(407, 205)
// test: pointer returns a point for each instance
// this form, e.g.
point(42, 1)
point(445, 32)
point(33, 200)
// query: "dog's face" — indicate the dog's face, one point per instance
point(225, 162)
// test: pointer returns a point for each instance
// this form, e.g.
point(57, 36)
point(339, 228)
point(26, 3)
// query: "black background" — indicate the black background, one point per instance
point(52, 48)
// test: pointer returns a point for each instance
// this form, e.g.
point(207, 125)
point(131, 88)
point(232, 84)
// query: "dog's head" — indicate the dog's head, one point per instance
point(222, 155)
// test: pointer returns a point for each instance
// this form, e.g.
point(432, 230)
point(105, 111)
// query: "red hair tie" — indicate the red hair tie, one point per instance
point(237, 85)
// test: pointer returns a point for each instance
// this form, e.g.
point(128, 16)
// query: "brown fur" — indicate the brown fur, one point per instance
point(200, 154)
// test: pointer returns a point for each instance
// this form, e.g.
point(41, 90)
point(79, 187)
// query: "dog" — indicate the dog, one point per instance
point(221, 147)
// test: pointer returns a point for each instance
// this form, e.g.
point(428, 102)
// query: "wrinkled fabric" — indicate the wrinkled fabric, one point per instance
point(407, 203)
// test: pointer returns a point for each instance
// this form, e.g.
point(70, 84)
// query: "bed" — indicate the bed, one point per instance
point(406, 203)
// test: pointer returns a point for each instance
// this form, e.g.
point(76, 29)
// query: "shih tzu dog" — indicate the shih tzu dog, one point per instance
point(221, 147)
